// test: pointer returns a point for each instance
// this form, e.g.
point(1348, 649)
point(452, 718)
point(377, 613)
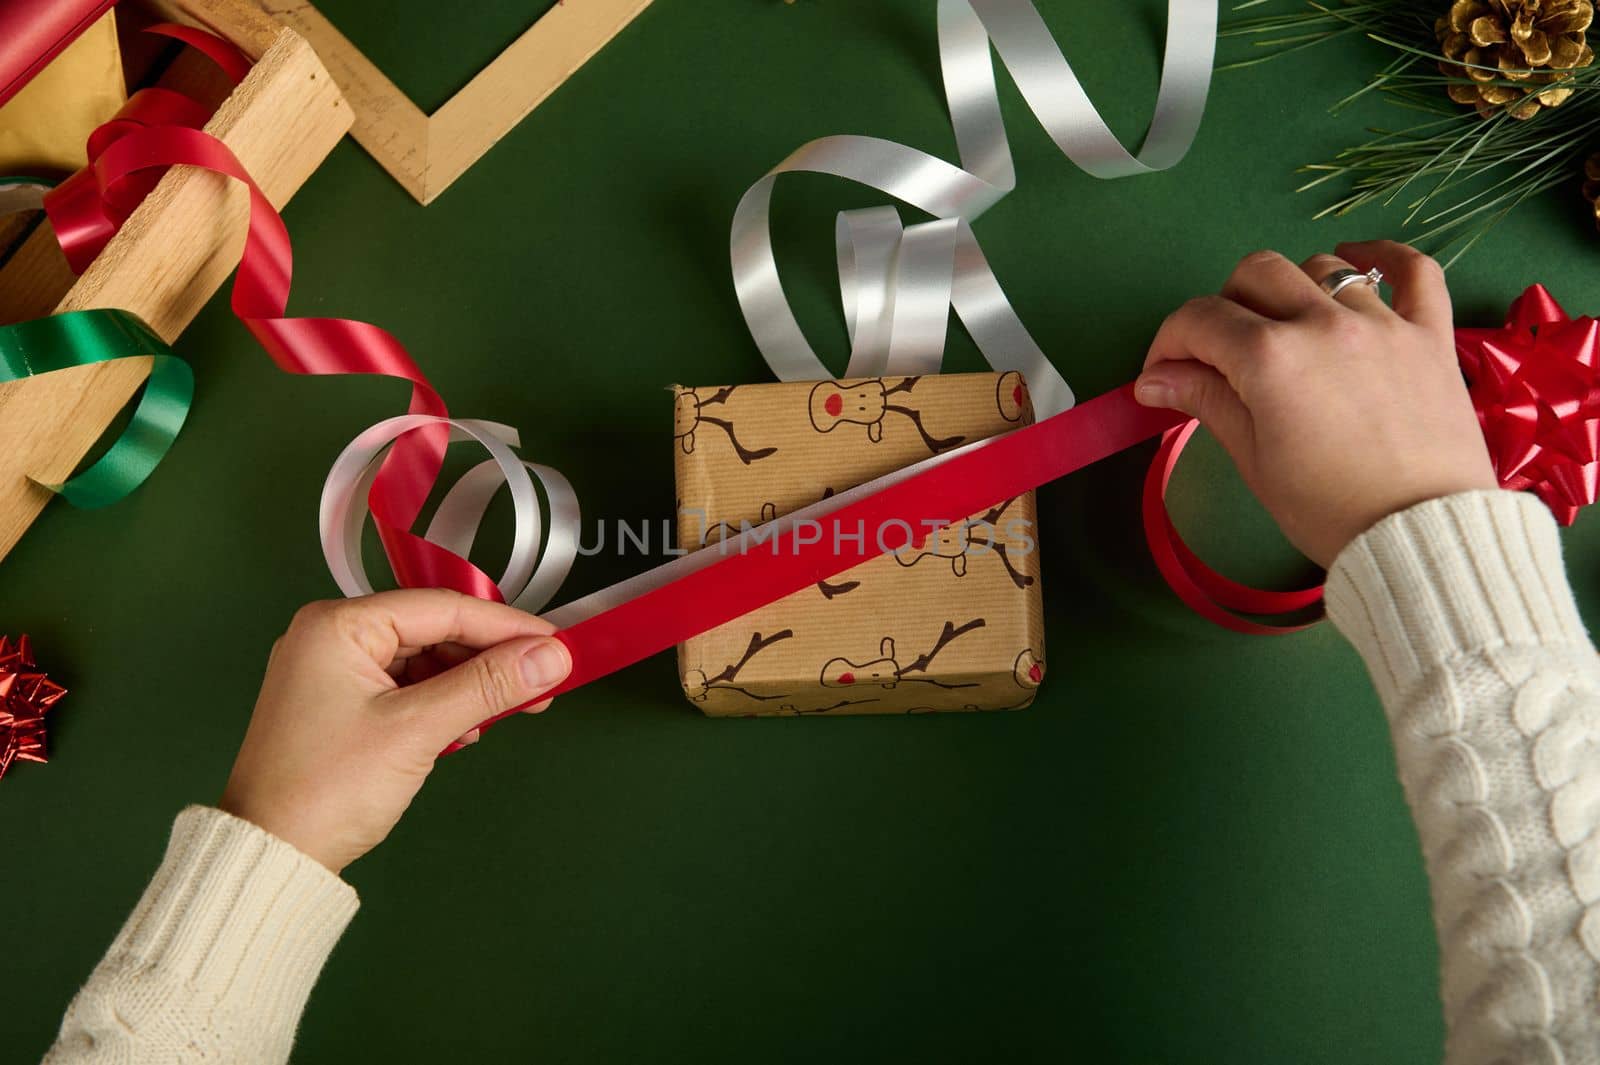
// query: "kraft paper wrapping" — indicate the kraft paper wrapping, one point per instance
point(957, 625)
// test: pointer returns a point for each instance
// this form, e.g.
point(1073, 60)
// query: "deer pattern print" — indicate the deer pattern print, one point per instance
point(1011, 397)
point(721, 530)
point(867, 403)
point(794, 710)
point(769, 512)
point(987, 535)
point(886, 670)
point(689, 414)
point(1028, 669)
point(698, 686)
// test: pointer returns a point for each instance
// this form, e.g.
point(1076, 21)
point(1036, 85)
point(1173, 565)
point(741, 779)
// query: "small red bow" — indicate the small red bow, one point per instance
point(1535, 383)
point(25, 695)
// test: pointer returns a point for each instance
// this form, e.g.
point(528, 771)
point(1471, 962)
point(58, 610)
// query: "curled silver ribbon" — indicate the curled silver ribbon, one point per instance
point(899, 282)
point(531, 578)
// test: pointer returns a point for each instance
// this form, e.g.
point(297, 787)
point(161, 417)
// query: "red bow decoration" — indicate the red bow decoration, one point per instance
point(1535, 383)
point(25, 695)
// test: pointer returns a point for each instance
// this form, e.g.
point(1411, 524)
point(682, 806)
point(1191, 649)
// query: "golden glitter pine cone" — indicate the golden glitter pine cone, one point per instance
point(1538, 42)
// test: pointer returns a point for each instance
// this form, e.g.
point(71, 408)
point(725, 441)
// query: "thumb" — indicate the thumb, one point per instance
point(1200, 392)
point(492, 681)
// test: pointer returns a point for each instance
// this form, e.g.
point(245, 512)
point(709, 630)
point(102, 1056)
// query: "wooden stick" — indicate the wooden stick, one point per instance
point(249, 28)
point(170, 257)
point(427, 153)
point(520, 79)
point(387, 124)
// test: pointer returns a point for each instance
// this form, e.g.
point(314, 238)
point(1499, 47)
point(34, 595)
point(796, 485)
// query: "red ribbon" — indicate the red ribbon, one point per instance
point(1204, 590)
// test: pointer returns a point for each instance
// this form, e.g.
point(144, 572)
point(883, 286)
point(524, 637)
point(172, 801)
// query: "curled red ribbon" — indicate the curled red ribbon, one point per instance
point(1202, 589)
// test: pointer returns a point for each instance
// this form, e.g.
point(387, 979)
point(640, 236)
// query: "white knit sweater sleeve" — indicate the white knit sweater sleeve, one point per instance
point(216, 961)
point(1461, 609)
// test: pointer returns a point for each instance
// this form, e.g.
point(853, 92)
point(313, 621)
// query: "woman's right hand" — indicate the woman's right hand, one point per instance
point(1338, 412)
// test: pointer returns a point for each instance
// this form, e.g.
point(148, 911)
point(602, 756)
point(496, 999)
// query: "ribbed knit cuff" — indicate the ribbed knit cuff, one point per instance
point(239, 912)
point(1449, 577)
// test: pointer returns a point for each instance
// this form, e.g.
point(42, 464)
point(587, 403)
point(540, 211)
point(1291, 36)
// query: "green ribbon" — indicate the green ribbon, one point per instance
point(81, 338)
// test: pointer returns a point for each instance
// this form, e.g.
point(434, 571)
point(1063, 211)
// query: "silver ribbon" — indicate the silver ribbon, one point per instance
point(897, 283)
point(531, 578)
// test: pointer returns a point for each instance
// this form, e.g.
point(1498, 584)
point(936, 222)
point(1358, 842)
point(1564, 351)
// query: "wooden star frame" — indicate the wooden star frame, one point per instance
point(427, 153)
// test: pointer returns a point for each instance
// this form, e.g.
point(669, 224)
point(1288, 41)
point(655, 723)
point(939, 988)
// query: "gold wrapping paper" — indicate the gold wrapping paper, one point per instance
point(44, 127)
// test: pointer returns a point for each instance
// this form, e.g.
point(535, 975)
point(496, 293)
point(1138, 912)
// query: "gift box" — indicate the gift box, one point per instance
point(955, 623)
point(178, 246)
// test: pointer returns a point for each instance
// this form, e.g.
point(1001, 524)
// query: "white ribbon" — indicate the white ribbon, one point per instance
point(897, 283)
point(531, 579)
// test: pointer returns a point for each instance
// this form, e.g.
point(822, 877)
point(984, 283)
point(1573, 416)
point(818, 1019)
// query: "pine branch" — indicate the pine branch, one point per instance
point(1463, 173)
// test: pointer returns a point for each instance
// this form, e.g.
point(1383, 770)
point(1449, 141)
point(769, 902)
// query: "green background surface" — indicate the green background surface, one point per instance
point(1192, 849)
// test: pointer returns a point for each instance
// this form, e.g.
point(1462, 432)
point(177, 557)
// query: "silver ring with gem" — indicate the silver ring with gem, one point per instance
point(1340, 280)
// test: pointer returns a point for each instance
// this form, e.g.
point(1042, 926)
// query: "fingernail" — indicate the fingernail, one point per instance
point(544, 664)
point(1154, 392)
